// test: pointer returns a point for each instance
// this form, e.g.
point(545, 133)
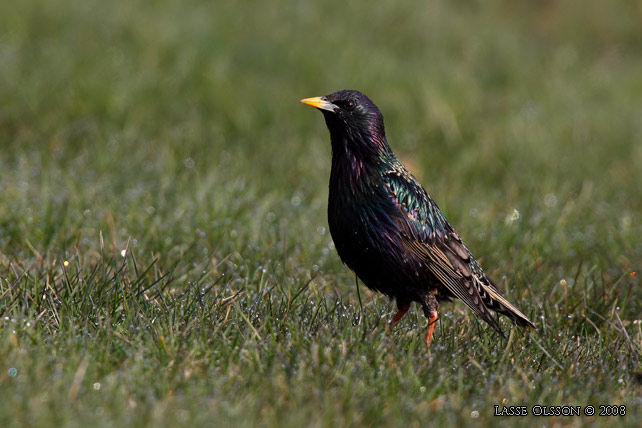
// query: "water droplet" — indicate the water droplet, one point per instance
point(189, 163)
point(12, 372)
point(96, 386)
point(513, 217)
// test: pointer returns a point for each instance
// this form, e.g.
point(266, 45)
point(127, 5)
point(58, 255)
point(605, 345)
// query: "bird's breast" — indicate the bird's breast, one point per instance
point(358, 222)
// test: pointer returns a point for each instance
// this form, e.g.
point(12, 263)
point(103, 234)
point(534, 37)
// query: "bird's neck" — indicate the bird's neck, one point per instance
point(369, 146)
point(355, 161)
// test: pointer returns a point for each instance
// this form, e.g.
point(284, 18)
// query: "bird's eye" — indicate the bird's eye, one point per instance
point(349, 105)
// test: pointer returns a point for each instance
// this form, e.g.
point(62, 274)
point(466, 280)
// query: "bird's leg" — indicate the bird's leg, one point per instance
point(430, 307)
point(402, 308)
point(431, 326)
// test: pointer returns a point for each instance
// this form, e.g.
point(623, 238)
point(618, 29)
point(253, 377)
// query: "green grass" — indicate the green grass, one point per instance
point(164, 253)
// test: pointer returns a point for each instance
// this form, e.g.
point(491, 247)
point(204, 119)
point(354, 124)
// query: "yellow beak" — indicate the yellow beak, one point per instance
point(320, 103)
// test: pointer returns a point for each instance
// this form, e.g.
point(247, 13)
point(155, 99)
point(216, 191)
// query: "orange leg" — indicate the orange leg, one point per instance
point(431, 307)
point(432, 320)
point(402, 309)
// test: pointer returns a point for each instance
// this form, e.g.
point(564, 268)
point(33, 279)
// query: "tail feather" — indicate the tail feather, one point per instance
point(498, 303)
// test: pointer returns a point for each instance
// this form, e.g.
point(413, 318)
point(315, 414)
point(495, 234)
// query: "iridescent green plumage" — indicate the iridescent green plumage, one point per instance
point(386, 227)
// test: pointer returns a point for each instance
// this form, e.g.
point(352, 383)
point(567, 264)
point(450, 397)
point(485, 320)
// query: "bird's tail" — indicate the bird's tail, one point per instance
point(498, 303)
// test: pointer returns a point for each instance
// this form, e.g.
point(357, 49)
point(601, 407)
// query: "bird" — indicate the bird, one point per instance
point(388, 230)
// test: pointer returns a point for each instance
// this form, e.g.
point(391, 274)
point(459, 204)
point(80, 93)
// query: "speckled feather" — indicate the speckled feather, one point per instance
point(386, 227)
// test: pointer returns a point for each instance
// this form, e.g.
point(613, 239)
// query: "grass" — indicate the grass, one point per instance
point(164, 253)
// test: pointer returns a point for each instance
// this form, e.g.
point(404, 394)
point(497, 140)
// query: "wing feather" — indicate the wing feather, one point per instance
point(428, 235)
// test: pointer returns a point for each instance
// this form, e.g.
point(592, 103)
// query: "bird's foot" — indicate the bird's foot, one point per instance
point(400, 313)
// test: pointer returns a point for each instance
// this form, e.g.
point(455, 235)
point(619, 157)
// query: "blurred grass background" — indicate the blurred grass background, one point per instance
point(173, 130)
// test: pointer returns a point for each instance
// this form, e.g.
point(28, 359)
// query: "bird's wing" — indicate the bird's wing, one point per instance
point(429, 236)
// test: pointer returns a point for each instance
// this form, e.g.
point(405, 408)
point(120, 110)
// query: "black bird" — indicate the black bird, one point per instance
point(388, 230)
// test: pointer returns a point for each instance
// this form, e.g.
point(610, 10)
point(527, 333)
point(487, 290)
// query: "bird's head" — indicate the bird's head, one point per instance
point(354, 121)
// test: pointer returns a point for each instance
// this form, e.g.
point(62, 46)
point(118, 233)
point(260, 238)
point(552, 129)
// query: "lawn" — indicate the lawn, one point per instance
point(164, 252)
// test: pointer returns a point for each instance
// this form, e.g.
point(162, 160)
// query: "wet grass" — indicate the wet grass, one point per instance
point(164, 253)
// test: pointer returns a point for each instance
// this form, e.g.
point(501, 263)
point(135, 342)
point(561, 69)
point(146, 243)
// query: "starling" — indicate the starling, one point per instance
point(388, 230)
